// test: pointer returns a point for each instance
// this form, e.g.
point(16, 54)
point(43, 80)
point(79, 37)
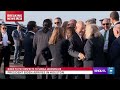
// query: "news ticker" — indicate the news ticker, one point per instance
point(63, 70)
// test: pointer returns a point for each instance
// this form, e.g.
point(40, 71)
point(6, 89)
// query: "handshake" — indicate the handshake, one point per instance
point(81, 56)
point(1, 42)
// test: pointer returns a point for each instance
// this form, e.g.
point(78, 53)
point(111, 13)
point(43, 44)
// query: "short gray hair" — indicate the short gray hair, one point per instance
point(91, 21)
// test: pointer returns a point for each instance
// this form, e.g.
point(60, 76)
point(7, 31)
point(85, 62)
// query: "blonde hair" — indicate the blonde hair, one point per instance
point(56, 34)
point(92, 31)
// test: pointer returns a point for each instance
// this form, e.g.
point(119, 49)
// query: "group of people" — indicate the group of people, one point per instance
point(69, 44)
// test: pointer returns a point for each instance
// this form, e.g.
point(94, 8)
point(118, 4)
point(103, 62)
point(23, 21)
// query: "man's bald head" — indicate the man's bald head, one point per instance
point(116, 30)
point(117, 26)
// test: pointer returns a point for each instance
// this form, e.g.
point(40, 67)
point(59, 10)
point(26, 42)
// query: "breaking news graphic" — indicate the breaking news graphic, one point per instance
point(60, 45)
point(14, 16)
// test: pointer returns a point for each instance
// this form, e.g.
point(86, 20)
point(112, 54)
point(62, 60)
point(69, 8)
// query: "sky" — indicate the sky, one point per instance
point(39, 16)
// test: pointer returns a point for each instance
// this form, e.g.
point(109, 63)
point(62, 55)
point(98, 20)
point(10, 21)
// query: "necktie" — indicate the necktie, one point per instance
point(81, 39)
point(105, 33)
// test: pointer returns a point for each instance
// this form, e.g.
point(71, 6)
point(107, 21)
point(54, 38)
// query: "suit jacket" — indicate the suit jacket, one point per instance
point(59, 53)
point(115, 51)
point(40, 42)
point(16, 37)
point(115, 56)
point(76, 46)
point(29, 51)
point(117, 23)
point(94, 55)
point(111, 38)
point(9, 38)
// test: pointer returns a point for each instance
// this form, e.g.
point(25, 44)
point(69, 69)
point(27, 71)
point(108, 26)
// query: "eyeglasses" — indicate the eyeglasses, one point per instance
point(4, 28)
point(105, 24)
point(57, 22)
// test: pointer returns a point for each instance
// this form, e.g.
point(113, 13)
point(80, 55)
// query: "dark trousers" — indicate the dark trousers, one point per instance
point(78, 63)
point(31, 76)
point(48, 65)
point(70, 64)
point(106, 57)
point(107, 64)
point(5, 53)
point(56, 76)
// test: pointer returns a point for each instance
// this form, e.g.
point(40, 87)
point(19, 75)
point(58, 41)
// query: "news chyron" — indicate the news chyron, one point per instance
point(62, 70)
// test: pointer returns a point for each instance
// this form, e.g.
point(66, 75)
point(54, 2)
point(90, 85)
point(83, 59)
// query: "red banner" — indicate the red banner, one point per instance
point(49, 69)
point(12, 16)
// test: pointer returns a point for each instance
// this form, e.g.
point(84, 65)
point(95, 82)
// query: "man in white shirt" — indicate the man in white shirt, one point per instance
point(6, 43)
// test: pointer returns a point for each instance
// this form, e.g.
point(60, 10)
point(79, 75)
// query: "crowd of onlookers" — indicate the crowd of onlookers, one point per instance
point(67, 44)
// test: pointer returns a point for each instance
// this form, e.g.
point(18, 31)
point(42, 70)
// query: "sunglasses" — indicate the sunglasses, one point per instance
point(4, 28)
point(105, 24)
point(57, 22)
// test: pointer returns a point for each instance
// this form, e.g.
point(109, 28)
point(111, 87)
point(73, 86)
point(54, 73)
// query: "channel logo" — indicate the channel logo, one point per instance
point(111, 70)
point(100, 70)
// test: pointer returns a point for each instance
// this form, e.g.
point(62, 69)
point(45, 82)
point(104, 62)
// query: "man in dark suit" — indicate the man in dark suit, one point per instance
point(28, 46)
point(108, 36)
point(18, 37)
point(5, 44)
point(77, 45)
point(114, 17)
point(115, 51)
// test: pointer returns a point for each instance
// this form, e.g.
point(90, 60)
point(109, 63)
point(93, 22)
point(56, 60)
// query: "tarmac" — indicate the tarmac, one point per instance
point(12, 65)
point(15, 65)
